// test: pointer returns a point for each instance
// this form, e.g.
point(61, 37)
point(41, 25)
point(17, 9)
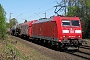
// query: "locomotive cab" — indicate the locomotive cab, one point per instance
point(71, 29)
point(71, 32)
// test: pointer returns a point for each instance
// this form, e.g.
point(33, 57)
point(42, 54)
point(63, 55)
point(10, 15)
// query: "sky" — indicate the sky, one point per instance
point(28, 9)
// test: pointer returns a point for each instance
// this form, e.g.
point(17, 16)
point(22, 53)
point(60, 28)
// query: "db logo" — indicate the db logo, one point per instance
point(71, 30)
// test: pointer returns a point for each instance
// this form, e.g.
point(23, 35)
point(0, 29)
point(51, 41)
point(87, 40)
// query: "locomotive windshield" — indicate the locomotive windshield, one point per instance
point(66, 22)
point(75, 23)
point(70, 23)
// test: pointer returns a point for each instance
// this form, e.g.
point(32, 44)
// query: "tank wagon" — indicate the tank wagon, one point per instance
point(18, 30)
point(13, 30)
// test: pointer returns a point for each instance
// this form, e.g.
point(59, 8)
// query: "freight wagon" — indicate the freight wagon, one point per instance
point(26, 29)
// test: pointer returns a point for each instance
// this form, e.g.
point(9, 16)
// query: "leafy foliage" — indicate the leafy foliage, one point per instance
point(13, 22)
point(8, 25)
point(72, 11)
point(2, 22)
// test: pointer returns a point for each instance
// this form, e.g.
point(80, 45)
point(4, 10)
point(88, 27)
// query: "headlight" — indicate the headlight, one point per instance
point(64, 36)
point(79, 36)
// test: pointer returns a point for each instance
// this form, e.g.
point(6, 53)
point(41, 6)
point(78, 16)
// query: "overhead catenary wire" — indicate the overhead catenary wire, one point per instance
point(37, 14)
point(34, 9)
point(40, 12)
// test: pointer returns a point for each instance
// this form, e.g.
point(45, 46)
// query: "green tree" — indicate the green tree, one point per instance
point(13, 21)
point(7, 25)
point(85, 11)
point(73, 11)
point(2, 23)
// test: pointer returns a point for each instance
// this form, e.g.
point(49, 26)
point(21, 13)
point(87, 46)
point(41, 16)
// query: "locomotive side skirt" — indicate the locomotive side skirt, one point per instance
point(46, 38)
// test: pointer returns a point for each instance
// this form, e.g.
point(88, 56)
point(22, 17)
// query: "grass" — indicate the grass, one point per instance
point(16, 51)
point(9, 52)
point(19, 51)
point(30, 53)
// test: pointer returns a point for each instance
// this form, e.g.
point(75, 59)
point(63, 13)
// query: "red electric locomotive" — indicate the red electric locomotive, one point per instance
point(59, 30)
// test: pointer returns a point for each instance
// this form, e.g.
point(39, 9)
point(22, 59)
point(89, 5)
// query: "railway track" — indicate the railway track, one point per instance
point(82, 54)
